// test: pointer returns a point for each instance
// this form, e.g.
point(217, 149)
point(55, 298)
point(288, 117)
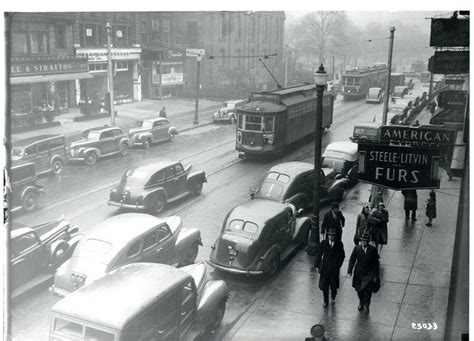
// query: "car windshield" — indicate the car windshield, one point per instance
point(96, 246)
point(240, 225)
point(17, 153)
point(93, 135)
point(271, 190)
point(146, 124)
point(374, 92)
point(134, 177)
point(336, 163)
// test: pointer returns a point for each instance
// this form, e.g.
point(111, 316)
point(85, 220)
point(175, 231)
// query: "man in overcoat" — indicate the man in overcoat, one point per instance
point(329, 260)
point(365, 263)
point(333, 220)
point(411, 203)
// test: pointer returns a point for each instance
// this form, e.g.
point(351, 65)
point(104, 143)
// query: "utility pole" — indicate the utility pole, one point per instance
point(387, 89)
point(196, 117)
point(333, 67)
point(110, 73)
point(430, 92)
point(286, 65)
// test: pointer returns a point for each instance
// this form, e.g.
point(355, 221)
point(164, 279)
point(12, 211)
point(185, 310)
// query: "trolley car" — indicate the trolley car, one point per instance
point(272, 120)
point(357, 82)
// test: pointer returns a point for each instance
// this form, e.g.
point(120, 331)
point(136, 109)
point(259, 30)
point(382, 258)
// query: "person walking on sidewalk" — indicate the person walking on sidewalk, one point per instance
point(163, 112)
point(411, 203)
point(364, 262)
point(329, 260)
point(334, 219)
point(378, 223)
point(431, 208)
point(362, 226)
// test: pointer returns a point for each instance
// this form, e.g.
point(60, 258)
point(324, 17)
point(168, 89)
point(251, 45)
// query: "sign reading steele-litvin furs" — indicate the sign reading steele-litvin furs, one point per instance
point(399, 167)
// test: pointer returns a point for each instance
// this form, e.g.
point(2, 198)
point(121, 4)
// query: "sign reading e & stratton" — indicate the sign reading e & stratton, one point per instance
point(398, 167)
point(47, 67)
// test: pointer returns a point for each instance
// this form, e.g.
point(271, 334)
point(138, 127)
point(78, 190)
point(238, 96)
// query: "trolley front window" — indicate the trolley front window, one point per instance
point(269, 124)
point(253, 123)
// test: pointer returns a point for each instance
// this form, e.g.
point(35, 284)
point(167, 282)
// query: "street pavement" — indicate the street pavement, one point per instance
point(415, 274)
point(180, 113)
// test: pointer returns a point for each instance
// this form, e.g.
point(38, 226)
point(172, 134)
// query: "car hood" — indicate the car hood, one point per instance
point(137, 130)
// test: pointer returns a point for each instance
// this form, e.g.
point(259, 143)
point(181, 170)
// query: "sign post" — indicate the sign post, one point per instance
point(198, 53)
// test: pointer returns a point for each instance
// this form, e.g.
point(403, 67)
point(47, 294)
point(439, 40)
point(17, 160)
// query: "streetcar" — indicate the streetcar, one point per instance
point(273, 120)
point(425, 77)
point(357, 82)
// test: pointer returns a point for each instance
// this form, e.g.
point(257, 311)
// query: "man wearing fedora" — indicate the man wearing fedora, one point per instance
point(328, 261)
point(365, 259)
point(333, 219)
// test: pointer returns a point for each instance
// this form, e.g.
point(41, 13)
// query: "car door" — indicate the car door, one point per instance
point(117, 137)
point(168, 317)
point(30, 154)
point(285, 224)
point(171, 182)
point(187, 309)
point(27, 257)
point(106, 142)
point(166, 245)
point(156, 130)
point(42, 157)
point(181, 177)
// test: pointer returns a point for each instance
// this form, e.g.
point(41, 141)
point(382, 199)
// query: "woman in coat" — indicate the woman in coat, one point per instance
point(378, 221)
point(329, 260)
point(362, 226)
point(431, 208)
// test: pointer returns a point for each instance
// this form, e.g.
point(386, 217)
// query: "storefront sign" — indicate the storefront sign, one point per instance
point(174, 54)
point(100, 54)
point(452, 98)
point(425, 136)
point(449, 32)
point(260, 96)
point(398, 167)
point(195, 52)
point(449, 62)
point(47, 67)
point(170, 78)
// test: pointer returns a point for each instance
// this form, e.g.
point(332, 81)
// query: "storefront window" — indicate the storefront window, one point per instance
point(39, 42)
point(19, 43)
point(60, 31)
point(121, 36)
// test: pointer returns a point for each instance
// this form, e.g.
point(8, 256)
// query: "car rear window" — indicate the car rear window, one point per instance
point(240, 225)
point(279, 177)
point(134, 177)
point(96, 246)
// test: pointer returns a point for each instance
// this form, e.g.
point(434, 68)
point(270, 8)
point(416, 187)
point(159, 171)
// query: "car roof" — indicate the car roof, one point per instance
point(375, 87)
point(368, 125)
point(292, 168)
point(346, 147)
point(235, 101)
point(258, 211)
point(105, 128)
point(116, 299)
point(30, 140)
point(153, 165)
point(156, 119)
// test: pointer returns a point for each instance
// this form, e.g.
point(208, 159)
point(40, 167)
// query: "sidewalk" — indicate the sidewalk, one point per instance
point(415, 273)
point(179, 111)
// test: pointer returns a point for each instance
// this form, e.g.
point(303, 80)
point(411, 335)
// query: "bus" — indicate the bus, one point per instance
point(357, 82)
point(273, 120)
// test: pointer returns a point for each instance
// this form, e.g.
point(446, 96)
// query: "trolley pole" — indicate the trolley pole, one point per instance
point(430, 91)
point(196, 116)
point(110, 73)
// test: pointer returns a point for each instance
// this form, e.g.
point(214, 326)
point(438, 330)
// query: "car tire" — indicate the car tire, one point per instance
point(30, 201)
point(57, 167)
point(158, 204)
point(191, 254)
point(197, 188)
point(232, 119)
point(90, 159)
point(146, 143)
point(272, 266)
point(218, 316)
point(123, 147)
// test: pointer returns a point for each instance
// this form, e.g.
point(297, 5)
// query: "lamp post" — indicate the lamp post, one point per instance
point(320, 78)
point(110, 73)
point(196, 117)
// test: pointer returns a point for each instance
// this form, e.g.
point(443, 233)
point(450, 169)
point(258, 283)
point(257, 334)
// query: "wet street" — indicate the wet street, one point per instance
point(81, 192)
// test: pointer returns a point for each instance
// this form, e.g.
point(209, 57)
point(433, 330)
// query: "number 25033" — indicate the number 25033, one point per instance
point(427, 326)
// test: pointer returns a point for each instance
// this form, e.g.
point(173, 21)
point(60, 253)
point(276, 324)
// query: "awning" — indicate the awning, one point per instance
point(50, 78)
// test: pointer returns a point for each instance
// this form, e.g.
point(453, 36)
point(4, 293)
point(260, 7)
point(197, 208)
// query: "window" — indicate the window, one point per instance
point(149, 240)
point(170, 172)
point(121, 66)
point(106, 135)
point(168, 307)
point(166, 31)
point(192, 32)
point(157, 177)
point(30, 150)
point(253, 123)
point(60, 31)
point(117, 132)
point(276, 30)
point(143, 32)
point(279, 177)
point(156, 124)
point(98, 67)
point(95, 334)
point(240, 225)
point(252, 60)
point(254, 27)
point(39, 42)
point(23, 243)
point(43, 146)
point(148, 321)
point(162, 232)
point(269, 124)
point(121, 36)
point(134, 249)
point(187, 294)
point(55, 143)
point(155, 24)
point(68, 327)
point(179, 169)
point(19, 43)
point(156, 33)
point(222, 26)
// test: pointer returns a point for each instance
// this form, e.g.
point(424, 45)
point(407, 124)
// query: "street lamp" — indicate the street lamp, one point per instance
point(320, 78)
point(110, 73)
point(196, 117)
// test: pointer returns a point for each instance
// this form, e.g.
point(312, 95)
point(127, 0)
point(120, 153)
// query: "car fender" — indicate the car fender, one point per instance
point(86, 150)
point(72, 244)
point(273, 250)
point(35, 189)
point(338, 185)
point(302, 227)
point(214, 293)
point(144, 135)
point(155, 191)
point(55, 246)
point(172, 131)
point(186, 238)
point(127, 141)
point(198, 175)
point(57, 157)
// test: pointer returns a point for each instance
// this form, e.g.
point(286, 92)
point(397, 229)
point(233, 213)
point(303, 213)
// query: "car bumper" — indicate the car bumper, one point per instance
point(128, 206)
point(58, 292)
point(370, 100)
point(77, 158)
point(221, 119)
point(234, 270)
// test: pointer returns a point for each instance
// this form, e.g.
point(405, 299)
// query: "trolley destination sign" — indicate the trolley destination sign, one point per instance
point(398, 167)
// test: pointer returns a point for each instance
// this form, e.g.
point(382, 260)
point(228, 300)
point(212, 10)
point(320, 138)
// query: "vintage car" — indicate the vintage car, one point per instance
point(375, 95)
point(150, 184)
point(257, 235)
point(142, 301)
point(47, 152)
point(227, 112)
point(123, 239)
point(36, 252)
point(152, 131)
point(399, 91)
point(293, 182)
point(24, 191)
point(366, 132)
point(98, 143)
point(344, 158)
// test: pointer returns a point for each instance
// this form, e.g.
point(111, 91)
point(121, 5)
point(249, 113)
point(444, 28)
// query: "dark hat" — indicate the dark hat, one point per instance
point(332, 232)
point(334, 204)
point(381, 204)
point(317, 330)
point(365, 237)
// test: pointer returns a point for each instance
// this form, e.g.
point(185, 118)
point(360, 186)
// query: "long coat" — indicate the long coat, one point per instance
point(431, 208)
point(329, 222)
point(411, 199)
point(366, 266)
point(332, 259)
point(362, 226)
point(378, 222)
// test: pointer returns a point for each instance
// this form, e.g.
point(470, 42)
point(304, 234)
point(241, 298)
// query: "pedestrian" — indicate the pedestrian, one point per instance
point(411, 203)
point(431, 208)
point(378, 223)
point(328, 261)
point(334, 219)
point(365, 263)
point(57, 104)
point(163, 112)
point(362, 226)
point(318, 333)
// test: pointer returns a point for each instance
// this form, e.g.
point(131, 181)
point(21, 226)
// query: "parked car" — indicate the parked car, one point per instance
point(375, 95)
point(344, 158)
point(399, 91)
point(142, 301)
point(366, 132)
point(293, 182)
point(123, 239)
point(24, 191)
point(149, 185)
point(47, 152)
point(152, 131)
point(36, 252)
point(257, 235)
point(227, 112)
point(99, 142)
